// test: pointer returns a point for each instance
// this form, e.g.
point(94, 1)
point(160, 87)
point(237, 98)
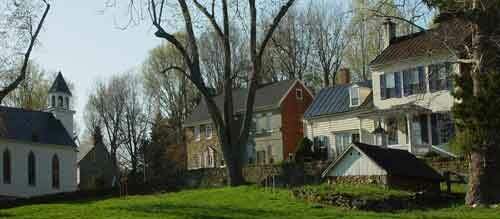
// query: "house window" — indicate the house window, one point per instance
point(299, 94)
point(261, 157)
point(258, 126)
point(419, 130)
point(343, 140)
point(270, 154)
point(414, 81)
point(443, 128)
point(197, 136)
point(392, 131)
point(354, 93)
point(7, 172)
point(390, 85)
point(268, 122)
point(440, 77)
point(55, 172)
point(321, 146)
point(31, 169)
point(208, 131)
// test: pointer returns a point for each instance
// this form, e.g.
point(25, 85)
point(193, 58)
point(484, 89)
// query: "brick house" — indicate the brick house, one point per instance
point(276, 131)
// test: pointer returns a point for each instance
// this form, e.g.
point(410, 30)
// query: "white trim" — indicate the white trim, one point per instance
point(304, 87)
point(342, 156)
point(350, 96)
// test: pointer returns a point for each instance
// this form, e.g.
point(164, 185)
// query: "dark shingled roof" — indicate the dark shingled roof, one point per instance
point(398, 162)
point(33, 126)
point(60, 85)
point(266, 95)
point(336, 100)
point(448, 35)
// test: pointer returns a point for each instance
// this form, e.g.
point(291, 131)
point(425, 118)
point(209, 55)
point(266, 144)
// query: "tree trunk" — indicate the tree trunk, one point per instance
point(484, 180)
point(235, 172)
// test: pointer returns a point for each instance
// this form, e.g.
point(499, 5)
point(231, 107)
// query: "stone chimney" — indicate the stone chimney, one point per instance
point(389, 32)
point(343, 76)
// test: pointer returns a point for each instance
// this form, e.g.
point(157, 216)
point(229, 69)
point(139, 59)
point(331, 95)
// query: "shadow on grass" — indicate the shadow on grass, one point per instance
point(201, 212)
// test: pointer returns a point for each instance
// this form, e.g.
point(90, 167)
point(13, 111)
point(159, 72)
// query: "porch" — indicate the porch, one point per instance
point(413, 128)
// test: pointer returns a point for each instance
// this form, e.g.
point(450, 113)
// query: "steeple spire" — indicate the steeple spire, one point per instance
point(60, 85)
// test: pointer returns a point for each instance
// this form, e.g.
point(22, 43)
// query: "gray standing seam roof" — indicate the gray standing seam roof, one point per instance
point(266, 95)
point(334, 100)
point(33, 126)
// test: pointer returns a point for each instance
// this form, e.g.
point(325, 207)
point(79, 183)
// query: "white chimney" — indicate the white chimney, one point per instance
point(389, 32)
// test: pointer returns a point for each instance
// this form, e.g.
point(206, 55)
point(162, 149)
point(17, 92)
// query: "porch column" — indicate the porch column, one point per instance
point(408, 134)
point(429, 129)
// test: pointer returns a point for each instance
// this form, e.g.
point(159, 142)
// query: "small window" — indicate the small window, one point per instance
point(67, 102)
point(269, 122)
point(60, 101)
point(354, 93)
point(392, 131)
point(6, 167)
point(208, 131)
point(31, 169)
point(55, 172)
point(197, 133)
point(299, 94)
point(53, 101)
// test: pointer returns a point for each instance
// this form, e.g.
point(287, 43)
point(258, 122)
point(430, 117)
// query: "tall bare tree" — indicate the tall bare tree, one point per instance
point(20, 24)
point(32, 92)
point(233, 137)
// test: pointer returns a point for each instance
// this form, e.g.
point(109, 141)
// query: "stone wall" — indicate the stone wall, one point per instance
point(375, 180)
point(285, 175)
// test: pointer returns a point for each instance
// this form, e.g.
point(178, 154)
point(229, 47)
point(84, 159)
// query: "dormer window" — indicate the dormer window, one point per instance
point(354, 94)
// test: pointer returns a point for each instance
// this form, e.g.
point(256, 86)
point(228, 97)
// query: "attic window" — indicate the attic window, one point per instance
point(354, 94)
point(299, 94)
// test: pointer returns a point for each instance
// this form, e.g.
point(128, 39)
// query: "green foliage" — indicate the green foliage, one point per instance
point(303, 149)
point(477, 117)
point(238, 203)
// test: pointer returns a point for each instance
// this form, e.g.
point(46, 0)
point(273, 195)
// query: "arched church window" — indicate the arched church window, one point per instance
point(6, 167)
point(31, 169)
point(53, 101)
point(67, 102)
point(55, 172)
point(60, 101)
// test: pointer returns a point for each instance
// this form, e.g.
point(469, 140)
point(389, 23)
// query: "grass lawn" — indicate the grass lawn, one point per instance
point(241, 202)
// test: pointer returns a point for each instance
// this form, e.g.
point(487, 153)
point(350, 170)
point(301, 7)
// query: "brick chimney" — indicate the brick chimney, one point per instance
point(389, 32)
point(343, 76)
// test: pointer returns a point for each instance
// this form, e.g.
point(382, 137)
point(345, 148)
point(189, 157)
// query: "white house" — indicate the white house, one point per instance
point(37, 151)
point(407, 103)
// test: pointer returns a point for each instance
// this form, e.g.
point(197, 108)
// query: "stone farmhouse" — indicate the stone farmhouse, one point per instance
point(276, 131)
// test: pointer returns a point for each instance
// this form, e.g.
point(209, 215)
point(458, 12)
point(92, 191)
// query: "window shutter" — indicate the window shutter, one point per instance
point(421, 79)
point(435, 129)
point(397, 82)
point(425, 131)
point(433, 71)
point(382, 87)
point(406, 83)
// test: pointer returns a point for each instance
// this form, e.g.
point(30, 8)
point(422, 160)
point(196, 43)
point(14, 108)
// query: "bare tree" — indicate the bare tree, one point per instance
point(19, 29)
point(328, 31)
point(32, 92)
point(233, 137)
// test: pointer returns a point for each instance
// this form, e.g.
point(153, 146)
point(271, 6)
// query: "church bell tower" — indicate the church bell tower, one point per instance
point(60, 103)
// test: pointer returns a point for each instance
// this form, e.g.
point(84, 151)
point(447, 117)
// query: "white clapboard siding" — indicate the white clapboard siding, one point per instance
point(355, 163)
point(327, 126)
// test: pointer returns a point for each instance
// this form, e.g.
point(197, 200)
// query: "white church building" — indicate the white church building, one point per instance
point(37, 149)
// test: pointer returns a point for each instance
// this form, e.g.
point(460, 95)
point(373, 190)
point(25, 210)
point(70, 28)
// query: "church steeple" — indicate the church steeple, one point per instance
point(59, 102)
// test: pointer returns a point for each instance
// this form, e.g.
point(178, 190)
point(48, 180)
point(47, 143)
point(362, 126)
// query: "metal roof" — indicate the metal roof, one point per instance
point(59, 85)
point(335, 100)
point(33, 126)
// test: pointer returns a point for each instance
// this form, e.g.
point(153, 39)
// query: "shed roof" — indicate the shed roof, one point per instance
point(395, 162)
point(33, 126)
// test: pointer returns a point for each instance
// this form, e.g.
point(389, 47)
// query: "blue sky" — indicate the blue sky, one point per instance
point(86, 44)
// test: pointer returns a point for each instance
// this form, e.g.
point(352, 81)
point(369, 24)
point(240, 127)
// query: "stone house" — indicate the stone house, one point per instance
point(277, 126)
point(37, 150)
point(368, 164)
point(95, 166)
point(407, 103)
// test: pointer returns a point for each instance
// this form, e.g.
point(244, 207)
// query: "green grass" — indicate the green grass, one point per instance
point(365, 191)
point(241, 202)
